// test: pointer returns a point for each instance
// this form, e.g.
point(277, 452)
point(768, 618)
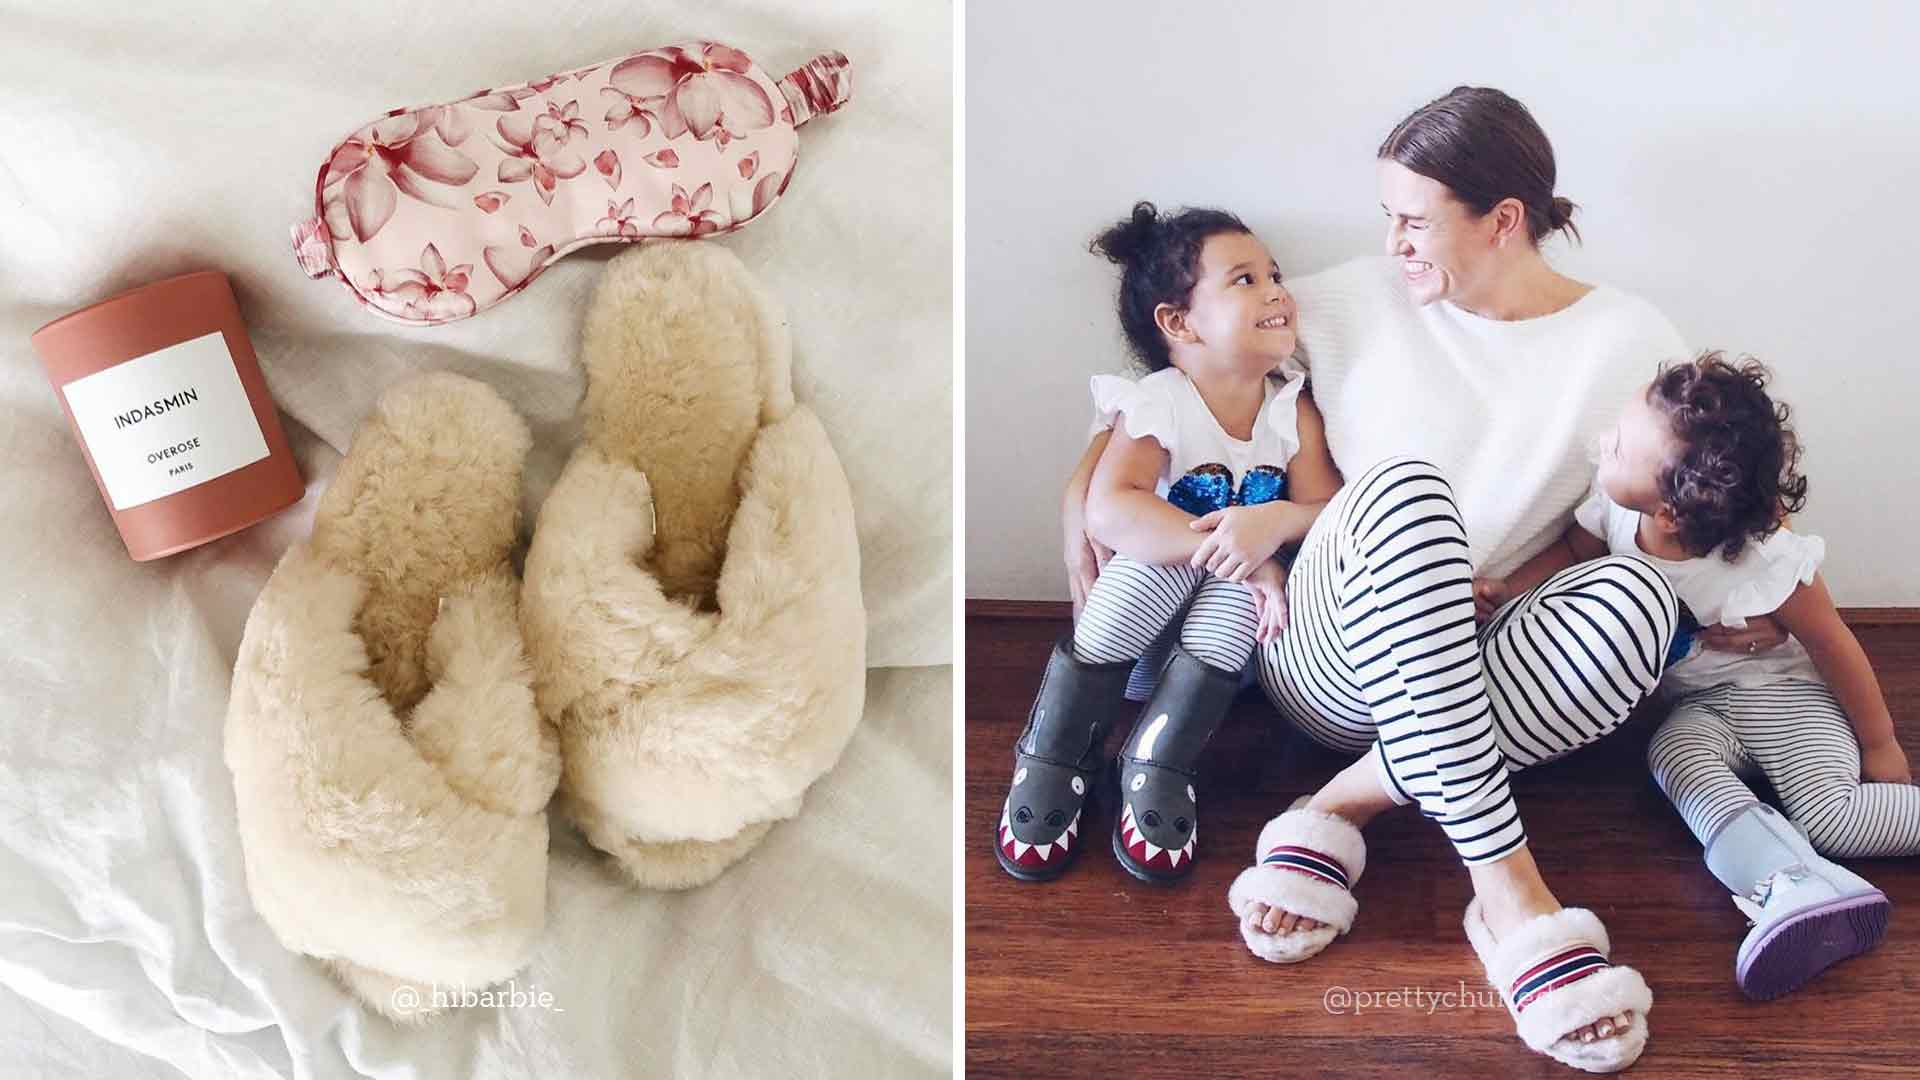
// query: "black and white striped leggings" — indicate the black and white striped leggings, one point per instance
point(1795, 734)
point(1381, 653)
point(1132, 602)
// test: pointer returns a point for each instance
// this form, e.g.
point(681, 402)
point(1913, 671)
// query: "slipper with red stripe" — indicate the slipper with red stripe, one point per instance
point(1553, 974)
point(1306, 863)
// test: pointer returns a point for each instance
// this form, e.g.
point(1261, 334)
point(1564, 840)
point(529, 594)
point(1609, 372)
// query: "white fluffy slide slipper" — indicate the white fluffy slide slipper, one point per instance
point(390, 769)
point(1306, 862)
point(1554, 976)
point(692, 603)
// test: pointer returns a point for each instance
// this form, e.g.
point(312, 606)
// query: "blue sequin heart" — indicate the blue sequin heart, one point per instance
point(1262, 484)
point(1205, 489)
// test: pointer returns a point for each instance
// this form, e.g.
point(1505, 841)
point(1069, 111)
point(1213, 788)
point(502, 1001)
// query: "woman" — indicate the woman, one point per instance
point(1462, 380)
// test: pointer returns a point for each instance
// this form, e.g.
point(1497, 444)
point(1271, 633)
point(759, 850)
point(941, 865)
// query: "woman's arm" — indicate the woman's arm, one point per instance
point(1125, 513)
point(1240, 538)
point(1084, 555)
point(1810, 616)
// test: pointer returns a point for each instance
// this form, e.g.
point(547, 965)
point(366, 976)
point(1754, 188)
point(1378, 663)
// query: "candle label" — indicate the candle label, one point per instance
point(163, 422)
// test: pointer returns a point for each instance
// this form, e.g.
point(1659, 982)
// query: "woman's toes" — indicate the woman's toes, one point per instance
point(1287, 924)
point(1309, 924)
point(1271, 921)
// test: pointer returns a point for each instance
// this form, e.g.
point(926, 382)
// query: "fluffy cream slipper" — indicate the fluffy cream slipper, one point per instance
point(1553, 974)
point(390, 768)
point(692, 602)
point(1305, 863)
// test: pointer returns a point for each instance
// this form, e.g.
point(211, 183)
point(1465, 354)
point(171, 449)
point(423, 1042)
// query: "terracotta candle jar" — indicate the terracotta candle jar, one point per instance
point(164, 392)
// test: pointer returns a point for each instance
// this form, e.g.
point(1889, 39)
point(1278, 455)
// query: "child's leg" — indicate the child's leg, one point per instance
point(1800, 735)
point(1693, 756)
point(1220, 626)
point(1062, 750)
point(1131, 602)
point(1155, 835)
point(1808, 912)
point(1146, 670)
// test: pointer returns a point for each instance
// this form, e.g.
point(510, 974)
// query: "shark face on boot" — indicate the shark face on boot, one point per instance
point(1055, 764)
point(1155, 835)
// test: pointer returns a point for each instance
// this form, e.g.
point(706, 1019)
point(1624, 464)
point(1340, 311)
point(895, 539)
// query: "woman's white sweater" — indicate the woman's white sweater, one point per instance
point(1507, 410)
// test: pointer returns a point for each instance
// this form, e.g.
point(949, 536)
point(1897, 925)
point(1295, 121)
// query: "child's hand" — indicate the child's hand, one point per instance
point(1239, 539)
point(1885, 764)
point(1268, 582)
point(1488, 594)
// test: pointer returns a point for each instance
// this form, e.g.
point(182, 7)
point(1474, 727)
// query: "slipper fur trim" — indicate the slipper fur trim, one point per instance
point(1297, 892)
point(1544, 1023)
point(687, 731)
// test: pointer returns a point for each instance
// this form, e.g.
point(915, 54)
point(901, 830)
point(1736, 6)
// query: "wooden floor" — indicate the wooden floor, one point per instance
point(1096, 973)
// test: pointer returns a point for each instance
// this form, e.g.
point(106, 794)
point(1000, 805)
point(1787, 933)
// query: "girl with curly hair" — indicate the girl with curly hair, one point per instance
point(1698, 478)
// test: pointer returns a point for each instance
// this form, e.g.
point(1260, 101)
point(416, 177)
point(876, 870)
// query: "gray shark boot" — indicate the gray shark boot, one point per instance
point(1808, 913)
point(1155, 833)
point(1059, 756)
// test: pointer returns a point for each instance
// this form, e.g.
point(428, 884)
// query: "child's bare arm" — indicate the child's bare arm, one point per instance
point(1240, 538)
point(1810, 616)
point(1123, 511)
point(1576, 545)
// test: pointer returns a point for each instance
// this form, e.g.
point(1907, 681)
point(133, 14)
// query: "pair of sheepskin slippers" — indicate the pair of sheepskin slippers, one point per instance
point(686, 655)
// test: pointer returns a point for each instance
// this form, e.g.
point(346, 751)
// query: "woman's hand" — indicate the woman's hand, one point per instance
point(1885, 763)
point(1762, 632)
point(1085, 558)
point(1268, 583)
point(1240, 538)
point(1489, 593)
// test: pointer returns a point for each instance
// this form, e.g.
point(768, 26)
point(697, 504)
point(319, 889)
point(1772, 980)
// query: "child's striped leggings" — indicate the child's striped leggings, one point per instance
point(1795, 734)
point(1133, 601)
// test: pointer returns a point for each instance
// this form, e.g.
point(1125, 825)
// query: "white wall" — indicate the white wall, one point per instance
point(1753, 171)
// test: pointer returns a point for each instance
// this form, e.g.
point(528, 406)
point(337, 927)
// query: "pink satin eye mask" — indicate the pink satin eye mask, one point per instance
point(431, 214)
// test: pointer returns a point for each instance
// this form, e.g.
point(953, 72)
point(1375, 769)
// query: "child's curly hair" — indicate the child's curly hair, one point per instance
point(1159, 259)
point(1734, 478)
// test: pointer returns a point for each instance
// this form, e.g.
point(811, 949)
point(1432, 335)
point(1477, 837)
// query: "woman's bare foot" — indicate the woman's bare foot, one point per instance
point(1354, 794)
point(1511, 891)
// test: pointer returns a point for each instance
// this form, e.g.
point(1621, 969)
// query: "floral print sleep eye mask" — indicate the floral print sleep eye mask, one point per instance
point(430, 214)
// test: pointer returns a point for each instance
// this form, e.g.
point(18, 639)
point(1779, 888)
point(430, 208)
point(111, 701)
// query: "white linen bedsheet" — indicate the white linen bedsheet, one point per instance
point(140, 141)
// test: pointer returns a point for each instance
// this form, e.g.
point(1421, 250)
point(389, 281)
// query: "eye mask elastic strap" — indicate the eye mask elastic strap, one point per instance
point(818, 87)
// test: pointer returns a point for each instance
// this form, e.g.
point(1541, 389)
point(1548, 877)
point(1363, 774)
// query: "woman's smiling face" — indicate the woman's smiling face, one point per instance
point(1445, 250)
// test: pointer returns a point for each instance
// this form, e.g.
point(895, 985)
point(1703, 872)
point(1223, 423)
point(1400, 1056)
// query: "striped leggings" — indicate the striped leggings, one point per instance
point(1795, 734)
point(1381, 654)
point(1133, 601)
